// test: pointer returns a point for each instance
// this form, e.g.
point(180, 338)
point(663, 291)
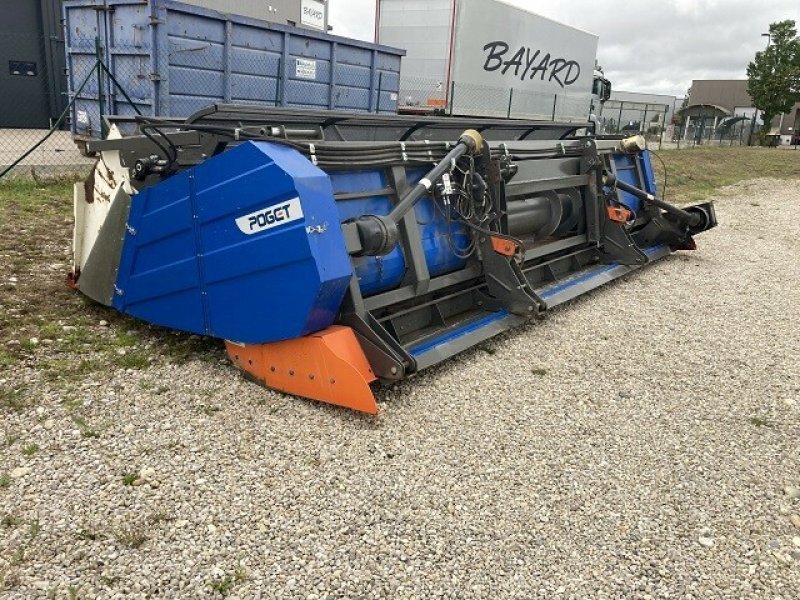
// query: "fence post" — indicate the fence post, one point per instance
point(663, 127)
point(644, 120)
point(100, 95)
point(555, 102)
point(619, 119)
point(510, 100)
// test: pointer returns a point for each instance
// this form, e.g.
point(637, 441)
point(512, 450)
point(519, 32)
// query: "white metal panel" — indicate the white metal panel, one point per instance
point(422, 28)
point(499, 47)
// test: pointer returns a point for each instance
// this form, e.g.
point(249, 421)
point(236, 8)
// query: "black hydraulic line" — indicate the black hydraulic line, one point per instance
point(467, 143)
point(377, 234)
point(690, 219)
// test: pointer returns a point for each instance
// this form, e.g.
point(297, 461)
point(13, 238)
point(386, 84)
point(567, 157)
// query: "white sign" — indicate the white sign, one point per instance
point(305, 69)
point(312, 14)
point(271, 216)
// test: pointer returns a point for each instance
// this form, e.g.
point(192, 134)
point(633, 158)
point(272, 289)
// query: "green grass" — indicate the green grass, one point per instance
point(693, 174)
point(224, 585)
point(5, 480)
point(130, 478)
point(29, 449)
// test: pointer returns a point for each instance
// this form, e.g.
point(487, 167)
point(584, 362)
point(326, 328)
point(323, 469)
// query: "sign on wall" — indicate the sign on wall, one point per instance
point(312, 14)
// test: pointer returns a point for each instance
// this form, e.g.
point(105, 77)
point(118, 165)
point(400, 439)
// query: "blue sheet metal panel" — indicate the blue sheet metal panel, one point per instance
point(374, 273)
point(646, 163)
point(626, 171)
point(175, 58)
point(191, 265)
point(442, 241)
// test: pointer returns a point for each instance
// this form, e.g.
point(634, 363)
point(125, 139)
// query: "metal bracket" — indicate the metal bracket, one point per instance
point(506, 283)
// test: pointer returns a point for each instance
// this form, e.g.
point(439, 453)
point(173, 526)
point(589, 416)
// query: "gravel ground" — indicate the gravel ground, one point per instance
point(643, 441)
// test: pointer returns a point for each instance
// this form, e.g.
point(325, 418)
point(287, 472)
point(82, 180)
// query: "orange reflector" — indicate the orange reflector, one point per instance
point(437, 102)
point(618, 215)
point(504, 246)
point(328, 366)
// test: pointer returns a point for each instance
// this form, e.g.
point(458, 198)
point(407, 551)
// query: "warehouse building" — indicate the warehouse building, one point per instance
point(713, 101)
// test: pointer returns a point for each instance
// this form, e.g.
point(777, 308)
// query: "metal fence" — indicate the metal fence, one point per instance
point(736, 130)
point(623, 116)
point(421, 95)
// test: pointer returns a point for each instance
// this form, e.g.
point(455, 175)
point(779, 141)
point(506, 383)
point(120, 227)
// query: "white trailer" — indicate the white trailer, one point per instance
point(487, 58)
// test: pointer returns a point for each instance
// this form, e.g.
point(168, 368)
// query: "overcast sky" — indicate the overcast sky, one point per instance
point(655, 46)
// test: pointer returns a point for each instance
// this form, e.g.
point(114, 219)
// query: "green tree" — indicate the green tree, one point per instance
point(774, 74)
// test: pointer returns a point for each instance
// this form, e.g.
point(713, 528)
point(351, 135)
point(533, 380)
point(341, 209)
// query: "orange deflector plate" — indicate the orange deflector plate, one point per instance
point(328, 366)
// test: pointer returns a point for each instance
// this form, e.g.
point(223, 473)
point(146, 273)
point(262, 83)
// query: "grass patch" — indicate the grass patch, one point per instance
point(9, 521)
point(86, 430)
point(693, 174)
point(85, 534)
point(131, 537)
point(132, 360)
point(29, 449)
point(12, 400)
point(34, 528)
point(539, 372)
point(129, 478)
point(224, 585)
point(5, 480)
point(759, 421)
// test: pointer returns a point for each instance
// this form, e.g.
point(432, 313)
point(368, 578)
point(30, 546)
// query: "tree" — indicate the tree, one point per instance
point(774, 74)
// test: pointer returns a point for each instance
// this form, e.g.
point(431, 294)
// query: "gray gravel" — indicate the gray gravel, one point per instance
point(643, 441)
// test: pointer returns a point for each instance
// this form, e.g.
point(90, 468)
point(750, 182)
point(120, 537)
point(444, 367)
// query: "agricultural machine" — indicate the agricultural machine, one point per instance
point(330, 250)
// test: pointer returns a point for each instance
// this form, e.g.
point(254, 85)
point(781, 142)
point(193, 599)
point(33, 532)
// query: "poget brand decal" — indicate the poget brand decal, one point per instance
point(271, 216)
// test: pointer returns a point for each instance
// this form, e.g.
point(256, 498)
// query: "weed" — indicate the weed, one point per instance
point(489, 350)
point(5, 480)
point(29, 449)
point(539, 372)
point(209, 410)
point(7, 359)
point(160, 516)
point(759, 421)
point(85, 534)
point(132, 360)
point(130, 478)
point(131, 537)
point(34, 528)
point(17, 557)
point(224, 585)
point(84, 428)
point(9, 521)
point(10, 439)
point(12, 400)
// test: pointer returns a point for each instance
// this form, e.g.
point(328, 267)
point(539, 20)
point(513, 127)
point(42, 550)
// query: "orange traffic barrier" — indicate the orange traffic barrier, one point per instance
point(328, 366)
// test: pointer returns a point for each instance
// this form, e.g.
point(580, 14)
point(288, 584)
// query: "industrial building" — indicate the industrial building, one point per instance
point(717, 99)
point(627, 109)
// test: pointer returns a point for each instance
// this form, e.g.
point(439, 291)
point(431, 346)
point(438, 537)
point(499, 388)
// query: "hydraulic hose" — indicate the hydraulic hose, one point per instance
point(692, 220)
point(378, 234)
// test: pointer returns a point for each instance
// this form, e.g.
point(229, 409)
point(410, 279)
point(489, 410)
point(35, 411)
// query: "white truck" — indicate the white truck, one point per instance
point(488, 58)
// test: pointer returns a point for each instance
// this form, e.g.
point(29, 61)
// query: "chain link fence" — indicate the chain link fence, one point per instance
point(34, 95)
point(187, 74)
point(735, 130)
point(426, 95)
